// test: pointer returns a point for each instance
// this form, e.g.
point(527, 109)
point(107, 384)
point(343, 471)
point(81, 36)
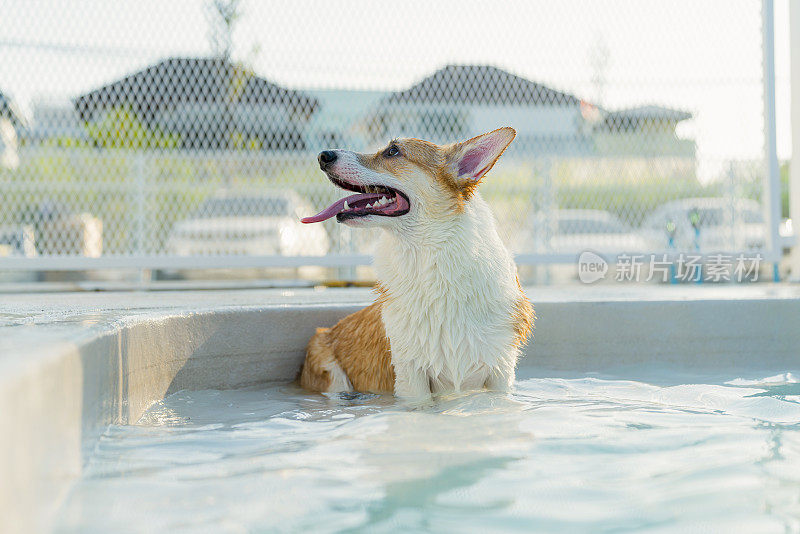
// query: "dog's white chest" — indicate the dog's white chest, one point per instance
point(455, 341)
point(449, 311)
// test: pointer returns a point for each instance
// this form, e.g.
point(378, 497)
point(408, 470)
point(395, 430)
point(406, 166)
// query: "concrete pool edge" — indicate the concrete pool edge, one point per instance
point(60, 393)
point(60, 396)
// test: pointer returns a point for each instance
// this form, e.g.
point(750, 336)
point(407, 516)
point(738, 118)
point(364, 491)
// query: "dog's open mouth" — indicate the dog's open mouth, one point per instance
point(369, 200)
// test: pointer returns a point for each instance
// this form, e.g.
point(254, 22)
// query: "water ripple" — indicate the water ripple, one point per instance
point(579, 455)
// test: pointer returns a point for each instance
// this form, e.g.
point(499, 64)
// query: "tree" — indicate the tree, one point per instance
point(598, 61)
point(222, 18)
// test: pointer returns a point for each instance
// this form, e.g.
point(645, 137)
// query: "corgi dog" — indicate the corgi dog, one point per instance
point(450, 313)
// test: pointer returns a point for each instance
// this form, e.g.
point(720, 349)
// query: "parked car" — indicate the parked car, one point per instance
point(572, 231)
point(17, 241)
point(708, 224)
point(786, 232)
point(263, 223)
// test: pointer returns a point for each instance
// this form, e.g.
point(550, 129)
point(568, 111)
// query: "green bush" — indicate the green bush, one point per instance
point(121, 128)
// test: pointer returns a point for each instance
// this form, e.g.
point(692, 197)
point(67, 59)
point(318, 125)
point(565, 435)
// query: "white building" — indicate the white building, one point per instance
point(460, 101)
point(54, 120)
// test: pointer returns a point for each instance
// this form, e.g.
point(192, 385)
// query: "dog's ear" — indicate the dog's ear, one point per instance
point(470, 160)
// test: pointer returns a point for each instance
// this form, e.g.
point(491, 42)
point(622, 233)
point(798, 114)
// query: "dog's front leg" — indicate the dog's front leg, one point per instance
point(411, 384)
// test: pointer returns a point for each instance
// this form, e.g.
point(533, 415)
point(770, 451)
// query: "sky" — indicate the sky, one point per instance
point(700, 56)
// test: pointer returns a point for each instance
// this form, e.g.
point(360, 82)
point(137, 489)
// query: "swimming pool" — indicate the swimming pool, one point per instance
point(582, 454)
point(79, 371)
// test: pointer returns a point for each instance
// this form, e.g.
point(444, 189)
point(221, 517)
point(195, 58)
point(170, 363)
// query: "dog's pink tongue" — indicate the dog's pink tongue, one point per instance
point(325, 214)
point(338, 206)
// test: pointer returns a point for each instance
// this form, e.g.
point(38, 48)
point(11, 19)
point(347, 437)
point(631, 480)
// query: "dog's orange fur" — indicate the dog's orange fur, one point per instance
point(524, 317)
point(358, 344)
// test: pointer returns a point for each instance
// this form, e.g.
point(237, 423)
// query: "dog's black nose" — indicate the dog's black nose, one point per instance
point(326, 159)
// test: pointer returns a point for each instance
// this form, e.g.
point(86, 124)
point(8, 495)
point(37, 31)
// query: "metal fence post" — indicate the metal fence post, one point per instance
point(794, 167)
point(142, 213)
point(550, 199)
point(139, 204)
point(772, 184)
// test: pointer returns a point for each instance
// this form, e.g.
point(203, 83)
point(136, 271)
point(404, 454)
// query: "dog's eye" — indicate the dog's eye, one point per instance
point(391, 152)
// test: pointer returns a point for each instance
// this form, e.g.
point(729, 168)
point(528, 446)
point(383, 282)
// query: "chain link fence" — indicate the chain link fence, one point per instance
point(185, 135)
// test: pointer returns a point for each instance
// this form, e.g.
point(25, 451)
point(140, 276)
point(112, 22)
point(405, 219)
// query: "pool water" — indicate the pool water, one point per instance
point(558, 455)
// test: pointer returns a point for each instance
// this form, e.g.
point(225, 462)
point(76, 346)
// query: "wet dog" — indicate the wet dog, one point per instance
point(450, 313)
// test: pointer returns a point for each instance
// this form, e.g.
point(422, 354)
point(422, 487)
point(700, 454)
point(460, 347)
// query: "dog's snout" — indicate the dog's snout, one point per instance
point(326, 159)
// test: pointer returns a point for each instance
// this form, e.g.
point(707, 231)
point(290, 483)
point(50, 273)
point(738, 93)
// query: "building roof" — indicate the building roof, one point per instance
point(480, 84)
point(649, 113)
point(632, 119)
point(197, 80)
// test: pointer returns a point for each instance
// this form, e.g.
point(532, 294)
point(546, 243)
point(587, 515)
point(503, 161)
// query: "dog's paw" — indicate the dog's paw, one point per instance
point(356, 396)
